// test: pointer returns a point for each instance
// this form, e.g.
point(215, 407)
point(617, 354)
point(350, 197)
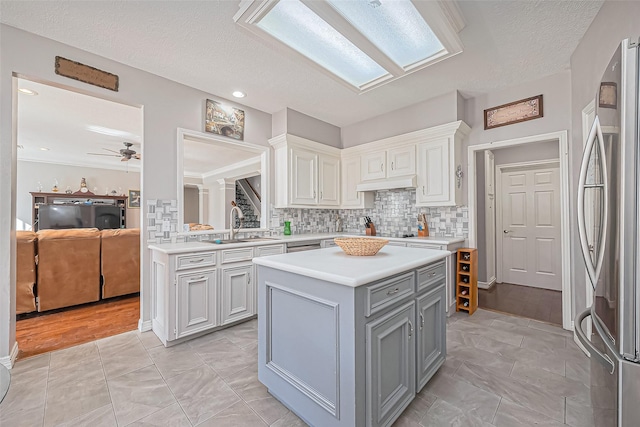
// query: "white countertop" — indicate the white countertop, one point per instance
point(333, 265)
point(177, 248)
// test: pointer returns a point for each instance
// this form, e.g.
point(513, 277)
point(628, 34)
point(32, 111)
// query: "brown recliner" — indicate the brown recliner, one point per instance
point(120, 262)
point(68, 267)
point(26, 271)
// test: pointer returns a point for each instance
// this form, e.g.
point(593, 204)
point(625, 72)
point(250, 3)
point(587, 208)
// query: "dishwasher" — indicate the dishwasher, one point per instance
point(303, 246)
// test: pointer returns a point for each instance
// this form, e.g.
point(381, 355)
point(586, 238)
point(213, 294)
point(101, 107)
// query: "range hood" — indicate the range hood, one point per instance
point(388, 183)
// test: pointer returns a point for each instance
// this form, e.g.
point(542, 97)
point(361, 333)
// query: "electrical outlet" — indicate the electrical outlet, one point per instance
point(166, 225)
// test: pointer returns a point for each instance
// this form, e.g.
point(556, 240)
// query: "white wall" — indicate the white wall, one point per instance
point(30, 173)
point(616, 20)
point(167, 105)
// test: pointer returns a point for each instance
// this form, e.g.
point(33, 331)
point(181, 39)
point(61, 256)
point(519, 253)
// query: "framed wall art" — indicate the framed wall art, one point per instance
point(134, 199)
point(224, 120)
point(608, 95)
point(513, 112)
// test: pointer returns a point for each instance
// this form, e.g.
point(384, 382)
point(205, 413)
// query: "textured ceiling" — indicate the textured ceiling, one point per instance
point(505, 42)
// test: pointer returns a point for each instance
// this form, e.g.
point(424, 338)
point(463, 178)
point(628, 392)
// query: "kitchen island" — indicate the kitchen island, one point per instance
point(349, 341)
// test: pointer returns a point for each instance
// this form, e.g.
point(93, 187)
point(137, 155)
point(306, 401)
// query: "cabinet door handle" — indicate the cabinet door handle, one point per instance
point(196, 279)
point(433, 274)
point(381, 167)
point(423, 190)
point(314, 194)
point(395, 291)
point(193, 261)
point(321, 198)
point(421, 321)
point(410, 329)
point(391, 165)
point(248, 278)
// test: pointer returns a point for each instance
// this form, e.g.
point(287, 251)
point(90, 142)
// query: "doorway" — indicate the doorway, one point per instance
point(551, 265)
point(78, 181)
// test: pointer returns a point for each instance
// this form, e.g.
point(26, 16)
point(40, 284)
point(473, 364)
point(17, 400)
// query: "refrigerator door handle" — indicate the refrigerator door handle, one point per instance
point(603, 359)
point(595, 137)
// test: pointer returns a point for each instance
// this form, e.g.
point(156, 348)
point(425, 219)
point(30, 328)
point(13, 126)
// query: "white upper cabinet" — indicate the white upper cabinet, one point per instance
point(401, 161)
point(304, 174)
point(351, 198)
point(440, 168)
point(307, 173)
point(329, 180)
point(391, 163)
point(373, 165)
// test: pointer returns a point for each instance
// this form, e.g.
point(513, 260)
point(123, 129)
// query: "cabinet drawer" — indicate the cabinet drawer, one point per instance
point(427, 246)
point(203, 259)
point(234, 255)
point(432, 274)
point(269, 250)
point(387, 293)
point(391, 243)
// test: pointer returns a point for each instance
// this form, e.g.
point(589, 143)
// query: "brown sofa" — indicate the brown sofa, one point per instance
point(120, 262)
point(26, 272)
point(68, 267)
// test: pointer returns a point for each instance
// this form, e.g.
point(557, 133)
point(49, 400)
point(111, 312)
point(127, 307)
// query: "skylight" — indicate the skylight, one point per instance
point(394, 26)
point(360, 43)
point(296, 25)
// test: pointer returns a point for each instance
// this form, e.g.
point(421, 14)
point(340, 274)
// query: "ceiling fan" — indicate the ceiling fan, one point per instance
point(125, 154)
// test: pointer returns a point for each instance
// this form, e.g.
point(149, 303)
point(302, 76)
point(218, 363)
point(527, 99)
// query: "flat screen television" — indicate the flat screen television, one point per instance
point(79, 216)
point(64, 216)
point(106, 217)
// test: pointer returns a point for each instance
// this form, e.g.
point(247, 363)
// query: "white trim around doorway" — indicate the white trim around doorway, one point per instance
point(563, 156)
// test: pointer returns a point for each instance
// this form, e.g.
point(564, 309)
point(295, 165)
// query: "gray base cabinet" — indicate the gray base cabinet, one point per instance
point(431, 335)
point(196, 295)
point(237, 293)
point(350, 356)
point(391, 361)
point(196, 292)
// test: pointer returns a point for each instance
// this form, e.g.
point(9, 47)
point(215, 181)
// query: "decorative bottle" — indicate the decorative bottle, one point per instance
point(287, 228)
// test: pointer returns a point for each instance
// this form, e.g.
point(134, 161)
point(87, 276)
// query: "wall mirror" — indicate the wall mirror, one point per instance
point(213, 171)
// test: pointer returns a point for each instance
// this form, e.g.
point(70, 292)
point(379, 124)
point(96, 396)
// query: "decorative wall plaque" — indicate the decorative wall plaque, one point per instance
point(86, 74)
point(513, 112)
point(224, 120)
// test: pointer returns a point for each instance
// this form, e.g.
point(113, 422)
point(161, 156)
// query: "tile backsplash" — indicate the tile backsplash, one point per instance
point(394, 213)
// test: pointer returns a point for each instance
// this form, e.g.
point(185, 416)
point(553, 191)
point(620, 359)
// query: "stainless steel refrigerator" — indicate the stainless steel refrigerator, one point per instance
point(608, 224)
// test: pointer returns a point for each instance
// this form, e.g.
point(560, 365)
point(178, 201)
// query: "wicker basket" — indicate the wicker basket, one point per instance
point(360, 246)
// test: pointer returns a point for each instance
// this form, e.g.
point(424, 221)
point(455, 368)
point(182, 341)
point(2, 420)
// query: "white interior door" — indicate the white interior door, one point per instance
point(530, 227)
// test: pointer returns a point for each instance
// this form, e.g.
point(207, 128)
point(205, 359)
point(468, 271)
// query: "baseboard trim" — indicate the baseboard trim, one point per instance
point(8, 361)
point(487, 285)
point(144, 325)
point(452, 308)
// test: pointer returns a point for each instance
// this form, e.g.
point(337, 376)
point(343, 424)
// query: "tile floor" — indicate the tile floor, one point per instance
point(526, 301)
point(500, 371)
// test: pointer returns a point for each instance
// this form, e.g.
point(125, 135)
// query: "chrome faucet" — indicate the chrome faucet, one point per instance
point(238, 211)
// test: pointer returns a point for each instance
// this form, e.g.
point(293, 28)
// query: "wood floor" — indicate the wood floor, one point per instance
point(526, 301)
point(64, 329)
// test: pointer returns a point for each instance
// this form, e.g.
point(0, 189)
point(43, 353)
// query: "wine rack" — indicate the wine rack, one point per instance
point(467, 280)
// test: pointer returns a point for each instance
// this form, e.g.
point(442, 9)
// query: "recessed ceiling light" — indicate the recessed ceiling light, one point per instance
point(44, 149)
point(239, 94)
point(27, 91)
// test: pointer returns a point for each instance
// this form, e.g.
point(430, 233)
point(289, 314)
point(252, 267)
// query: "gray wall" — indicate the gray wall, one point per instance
point(436, 111)
point(30, 173)
point(279, 123)
point(311, 128)
point(616, 21)
point(556, 107)
point(526, 153)
point(166, 105)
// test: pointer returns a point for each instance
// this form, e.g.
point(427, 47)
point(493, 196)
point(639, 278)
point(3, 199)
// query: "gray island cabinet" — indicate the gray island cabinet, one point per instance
point(349, 341)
